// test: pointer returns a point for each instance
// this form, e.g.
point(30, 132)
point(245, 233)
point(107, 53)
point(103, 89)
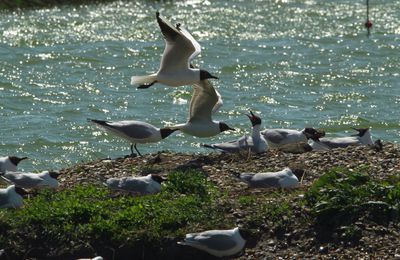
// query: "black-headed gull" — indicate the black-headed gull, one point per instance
point(255, 142)
point(363, 137)
point(175, 69)
point(144, 184)
point(11, 197)
point(134, 131)
point(205, 100)
point(285, 178)
point(28, 180)
point(10, 163)
point(279, 137)
point(219, 243)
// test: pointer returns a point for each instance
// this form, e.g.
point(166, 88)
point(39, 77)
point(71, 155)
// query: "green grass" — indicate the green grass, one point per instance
point(272, 209)
point(341, 197)
point(93, 215)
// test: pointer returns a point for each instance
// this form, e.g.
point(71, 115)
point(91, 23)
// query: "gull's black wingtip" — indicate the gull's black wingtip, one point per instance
point(100, 122)
point(157, 14)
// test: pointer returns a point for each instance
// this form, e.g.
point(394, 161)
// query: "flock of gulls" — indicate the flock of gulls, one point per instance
point(176, 70)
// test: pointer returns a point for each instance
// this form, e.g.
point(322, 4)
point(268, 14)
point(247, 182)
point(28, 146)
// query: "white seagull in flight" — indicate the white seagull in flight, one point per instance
point(175, 69)
point(205, 100)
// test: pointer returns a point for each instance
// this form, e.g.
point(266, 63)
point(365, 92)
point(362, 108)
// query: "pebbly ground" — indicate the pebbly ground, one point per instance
point(298, 239)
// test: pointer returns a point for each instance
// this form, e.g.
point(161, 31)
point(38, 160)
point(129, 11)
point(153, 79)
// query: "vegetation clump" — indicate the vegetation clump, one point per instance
point(342, 198)
point(65, 222)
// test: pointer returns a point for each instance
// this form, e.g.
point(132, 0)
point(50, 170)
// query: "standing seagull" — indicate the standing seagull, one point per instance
point(219, 243)
point(175, 68)
point(9, 163)
point(134, 131)
point(280, 137)
point(28, 180)
point(11, 197)
point(204, 101)
point(255, 142)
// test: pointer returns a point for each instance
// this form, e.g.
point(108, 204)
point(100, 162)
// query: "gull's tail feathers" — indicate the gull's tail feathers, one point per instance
point(143, 80)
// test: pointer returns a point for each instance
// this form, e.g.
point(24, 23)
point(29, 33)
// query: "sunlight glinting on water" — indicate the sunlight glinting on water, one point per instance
point(296, 63)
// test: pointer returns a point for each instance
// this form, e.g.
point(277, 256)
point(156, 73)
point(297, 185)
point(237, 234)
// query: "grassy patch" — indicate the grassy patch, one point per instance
point(54, 223)
point(271, 209)
point(341, 197)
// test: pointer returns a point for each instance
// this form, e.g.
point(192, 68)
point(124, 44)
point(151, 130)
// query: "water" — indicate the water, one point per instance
point(296, 63)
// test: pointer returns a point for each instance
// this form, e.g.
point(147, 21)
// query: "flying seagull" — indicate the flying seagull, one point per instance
point(204, 101)
point(255, 142)
point(134, 131)
point(175, 69)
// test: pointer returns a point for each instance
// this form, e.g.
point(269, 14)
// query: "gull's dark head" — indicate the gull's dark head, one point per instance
point(250, 235)
point(206, 75)
point(16, 160)
point(20, 191)
point(224, 127)
point(361, 131)
point(54, 175)
point(165, 132)
point(312, 133)
point(255, 120)
point(298, 172)
point(158, 178)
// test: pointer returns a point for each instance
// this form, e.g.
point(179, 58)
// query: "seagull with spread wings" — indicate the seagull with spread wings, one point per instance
point(205, 100)
point(175, 69)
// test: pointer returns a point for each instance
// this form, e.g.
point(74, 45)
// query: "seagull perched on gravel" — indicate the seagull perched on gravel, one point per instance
point(144, 184)
point(175, 68)
point(205, 100)
point(279, 137)
point(28, 180)
point(219, 243)
point(134, 131)
point(10, 163)
point(363, 137)
point(285, 178)
point(255, 142)
point(11, 197)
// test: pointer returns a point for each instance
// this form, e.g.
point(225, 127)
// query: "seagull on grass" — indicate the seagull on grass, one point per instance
point(134, 131)
point(28, 180)
point(219, 243)
point(255, 142)
point(144, 184)
point(205, 100)
point(175, 69)
point(285, 178)
point(10, 163)
point(11, 197)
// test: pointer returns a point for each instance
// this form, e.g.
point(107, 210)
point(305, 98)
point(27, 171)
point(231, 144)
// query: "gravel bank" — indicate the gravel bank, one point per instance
point(299, 240)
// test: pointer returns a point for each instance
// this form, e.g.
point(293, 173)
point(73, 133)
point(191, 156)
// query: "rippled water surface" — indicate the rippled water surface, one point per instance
point(296, 63)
